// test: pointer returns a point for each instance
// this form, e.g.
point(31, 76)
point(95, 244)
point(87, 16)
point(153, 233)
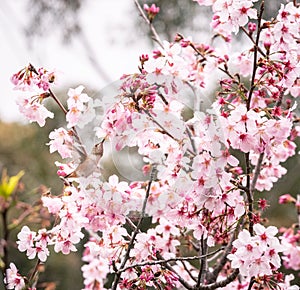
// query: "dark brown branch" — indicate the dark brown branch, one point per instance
point(212, 277)
point(58, 102)
point(253, 41)
point(219, 284)
point(188, 271)
point(133, 236)
point(185, 284)
point(249, 192)
point(5, 239)
point(257, 171)
point(203, 262)
point(163, 261)
point(255, 55)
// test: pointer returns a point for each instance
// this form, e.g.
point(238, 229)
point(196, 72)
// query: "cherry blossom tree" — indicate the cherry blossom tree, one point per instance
point(195, 220)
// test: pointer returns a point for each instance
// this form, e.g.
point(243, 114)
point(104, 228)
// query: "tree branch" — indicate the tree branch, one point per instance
point(255, 55)
point(221, 263)
point(221, 283)
point(249, 193)
point(203, 262)
point(175, 259)
point(257, 171)
point(134, 234)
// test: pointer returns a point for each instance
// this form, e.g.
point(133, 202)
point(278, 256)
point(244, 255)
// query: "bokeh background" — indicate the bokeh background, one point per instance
point(90, 43)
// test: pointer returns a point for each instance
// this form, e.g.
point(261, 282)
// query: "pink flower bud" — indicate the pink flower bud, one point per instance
point(151, 11)
point(251, 27)
point(185, 42)
point(157, 53)
point(286, 198)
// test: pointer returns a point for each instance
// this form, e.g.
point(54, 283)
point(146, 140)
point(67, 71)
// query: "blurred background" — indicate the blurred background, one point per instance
point(90, 43)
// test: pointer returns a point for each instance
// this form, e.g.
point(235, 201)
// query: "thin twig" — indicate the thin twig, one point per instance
point(58, 102)
point(191, 139)
point(131, 224)
point(35, 271)
point(82, 150)
point(133, 236)
point(203, 262)
point(175, 259)
point(164, 130)
point(188, 271)
point(5, 238)
point(221, 283)
point(253, 41)
point(221, 263)
point(252, 86)
point(257, 171)
point(298, 209)
point(153, 30)
point(185, 284)
point(249, 193)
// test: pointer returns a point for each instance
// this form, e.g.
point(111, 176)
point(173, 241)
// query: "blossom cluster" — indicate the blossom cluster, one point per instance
point(37, 81)
point(80, 110)
point(196, 192)
point(13, 279)
point(256, 255)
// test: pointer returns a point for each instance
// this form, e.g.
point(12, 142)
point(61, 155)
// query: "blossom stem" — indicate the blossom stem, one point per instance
point(257, 171)
point(203, 262)
point(221, 263)
point(298, 208)
point(255, 55)
point(221, 283)
point(134, 234)
point(34, 274)
point(249, 193)
point(82, 151)
point(253, 41)
point(163, 261)
point(57, 101)
point(155, 36)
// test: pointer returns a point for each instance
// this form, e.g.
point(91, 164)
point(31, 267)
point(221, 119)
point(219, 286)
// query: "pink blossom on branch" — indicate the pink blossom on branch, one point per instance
point(151, 11)
point(198, 195)
point(13, 280)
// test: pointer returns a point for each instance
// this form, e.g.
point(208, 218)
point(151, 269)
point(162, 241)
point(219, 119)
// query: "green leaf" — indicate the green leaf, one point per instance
point(9, 184)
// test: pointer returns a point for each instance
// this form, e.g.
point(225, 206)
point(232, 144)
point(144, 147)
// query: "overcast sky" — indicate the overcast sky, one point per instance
point(109, 28)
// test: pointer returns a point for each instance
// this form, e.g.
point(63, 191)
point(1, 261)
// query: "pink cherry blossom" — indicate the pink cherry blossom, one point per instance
point(61, 141)
point(13, 279)
point(34, 111)
point(201, 167)
point(40, 250)
point(54, 204)
point(77, 98)
point(253, 255)
point(26, 239)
